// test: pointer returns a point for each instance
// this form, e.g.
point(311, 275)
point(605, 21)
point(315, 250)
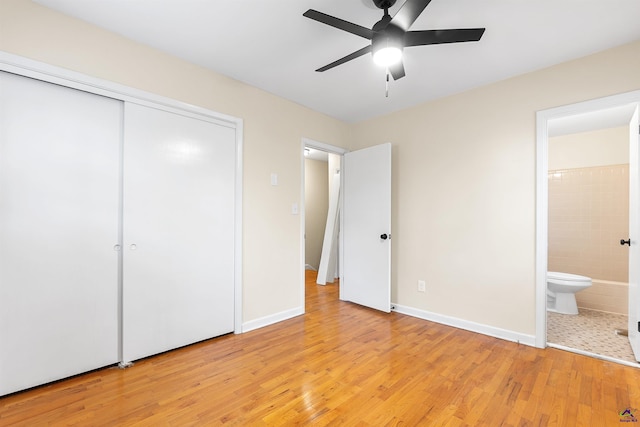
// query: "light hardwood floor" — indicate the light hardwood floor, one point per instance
point(341, 364)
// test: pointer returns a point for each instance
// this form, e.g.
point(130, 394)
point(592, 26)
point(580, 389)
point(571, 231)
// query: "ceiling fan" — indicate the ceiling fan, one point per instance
point(389, 36)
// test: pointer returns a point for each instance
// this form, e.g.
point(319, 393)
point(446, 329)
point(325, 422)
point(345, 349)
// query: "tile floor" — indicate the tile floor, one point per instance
point(592, 331)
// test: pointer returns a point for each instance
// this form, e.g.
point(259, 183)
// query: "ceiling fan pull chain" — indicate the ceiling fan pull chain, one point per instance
point(387, 85)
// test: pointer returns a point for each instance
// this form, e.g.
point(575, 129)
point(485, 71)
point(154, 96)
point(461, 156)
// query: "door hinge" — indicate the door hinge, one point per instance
point(638, 326)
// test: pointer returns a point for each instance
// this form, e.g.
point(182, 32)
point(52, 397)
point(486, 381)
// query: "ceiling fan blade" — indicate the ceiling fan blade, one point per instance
point(354, 55)
point(340, 24)
point(408, 13)
point(397, 71)
point(421, 38)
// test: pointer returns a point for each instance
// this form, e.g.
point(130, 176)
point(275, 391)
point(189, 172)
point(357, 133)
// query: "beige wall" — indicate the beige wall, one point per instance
point(273, 130)
point(316, 206)
point(464, 166)
point(464, 188)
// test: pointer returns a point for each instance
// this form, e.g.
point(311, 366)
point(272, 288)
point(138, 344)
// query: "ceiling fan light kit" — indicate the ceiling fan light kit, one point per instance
point(387, 46)
point(387, 56)
point(389, 36)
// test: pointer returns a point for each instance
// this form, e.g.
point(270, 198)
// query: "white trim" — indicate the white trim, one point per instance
point(342, 295)
point(542, 226)
point(64, 77)
point(122, 363)
point(237, 281)
point(68, 78)
point(303, 229)
point(306, 142)
point(466, 325)
point(542, 191)
point(272, 319)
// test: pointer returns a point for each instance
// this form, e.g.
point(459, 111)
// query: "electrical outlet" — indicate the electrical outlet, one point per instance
point(422, 286)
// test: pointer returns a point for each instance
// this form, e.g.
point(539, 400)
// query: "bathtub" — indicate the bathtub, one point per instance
point(605, 295)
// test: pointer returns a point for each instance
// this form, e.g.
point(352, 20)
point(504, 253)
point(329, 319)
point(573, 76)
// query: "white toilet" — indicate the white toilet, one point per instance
point(561, 291)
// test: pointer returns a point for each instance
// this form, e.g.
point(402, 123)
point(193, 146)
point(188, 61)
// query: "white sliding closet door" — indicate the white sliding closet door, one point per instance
point(59, 174)
point(179, 175)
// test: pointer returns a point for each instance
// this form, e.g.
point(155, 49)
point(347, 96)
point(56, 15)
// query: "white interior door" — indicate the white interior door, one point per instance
point(366, 231)
point(178, 267)
point(59, 157)
point(634, 234)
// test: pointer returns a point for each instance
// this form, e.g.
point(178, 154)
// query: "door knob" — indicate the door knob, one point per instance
point(625, 242)
point(384, 236)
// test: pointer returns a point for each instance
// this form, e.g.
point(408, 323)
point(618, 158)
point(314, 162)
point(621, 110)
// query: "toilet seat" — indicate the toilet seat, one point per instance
point(566, 278)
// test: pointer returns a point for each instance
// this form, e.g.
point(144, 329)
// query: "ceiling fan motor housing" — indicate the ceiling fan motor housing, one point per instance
point(390, 36)
point(384, 4)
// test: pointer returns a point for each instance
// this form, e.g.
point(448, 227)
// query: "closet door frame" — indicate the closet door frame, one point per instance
point(48, 73)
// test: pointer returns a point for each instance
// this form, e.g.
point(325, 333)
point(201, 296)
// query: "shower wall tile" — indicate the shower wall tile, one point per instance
point(588, 215)
point(609, 297)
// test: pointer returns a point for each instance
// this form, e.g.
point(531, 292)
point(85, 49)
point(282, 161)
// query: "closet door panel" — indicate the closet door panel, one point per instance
point(59, 157)
point(179, 175)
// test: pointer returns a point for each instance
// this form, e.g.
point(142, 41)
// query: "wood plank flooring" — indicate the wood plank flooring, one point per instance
point(341, 364)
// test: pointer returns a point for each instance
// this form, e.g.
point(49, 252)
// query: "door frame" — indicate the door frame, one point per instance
point(333, 149)
point(41, 71)
point(543, 118)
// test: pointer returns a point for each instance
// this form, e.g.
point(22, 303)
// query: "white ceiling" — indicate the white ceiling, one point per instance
point(315, 154)
point(270, 45)
point(594, 120)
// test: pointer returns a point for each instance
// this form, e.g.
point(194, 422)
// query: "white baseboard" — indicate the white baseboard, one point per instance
point(466, 325)
point(271, 319)
point(410, 311)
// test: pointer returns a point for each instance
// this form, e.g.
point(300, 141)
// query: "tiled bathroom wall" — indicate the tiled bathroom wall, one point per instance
point(588, 215)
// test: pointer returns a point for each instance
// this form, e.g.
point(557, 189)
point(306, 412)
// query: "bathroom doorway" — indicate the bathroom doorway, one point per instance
point(588, 215)
point(583, 202)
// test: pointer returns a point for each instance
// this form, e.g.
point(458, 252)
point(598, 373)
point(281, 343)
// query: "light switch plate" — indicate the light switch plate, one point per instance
point(422, 286)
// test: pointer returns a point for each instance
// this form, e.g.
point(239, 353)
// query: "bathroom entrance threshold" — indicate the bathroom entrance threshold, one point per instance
point(594, 355)
point(592, 333)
